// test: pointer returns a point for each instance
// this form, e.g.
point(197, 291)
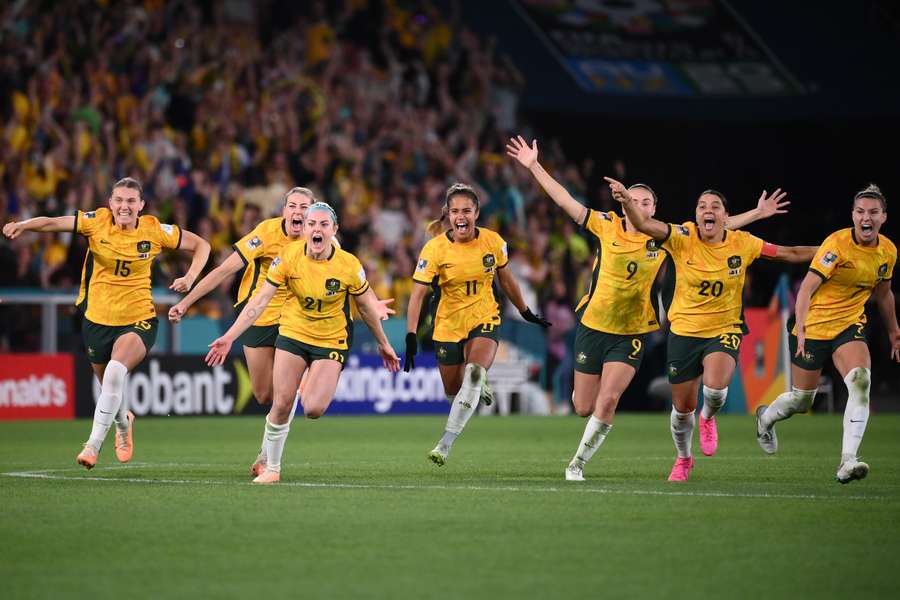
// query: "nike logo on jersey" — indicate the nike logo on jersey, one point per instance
point(103, 242)
point(616, 244)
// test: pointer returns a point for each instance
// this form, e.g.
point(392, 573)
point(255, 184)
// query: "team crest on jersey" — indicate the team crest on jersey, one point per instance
point(90, 215)
point(143, 246)
point(422, 264)
point(734, 266)
point(683, 230)
point(652, 248)
point(254, 243)
point(673, 370)
point(882, 271)
point(332, 286)
point(488, 261)
point(442, 352)
point(828, 259)
point(582, 357)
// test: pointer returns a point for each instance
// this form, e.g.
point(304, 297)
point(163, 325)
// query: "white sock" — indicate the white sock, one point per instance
point(785, 405)
point(856, 415)
point(262, 447)
point(682, 425)
point(713, 400)
point(122, 415)
point(465, 403)
point(108, 402)
point(594, 433)
point(276, 436)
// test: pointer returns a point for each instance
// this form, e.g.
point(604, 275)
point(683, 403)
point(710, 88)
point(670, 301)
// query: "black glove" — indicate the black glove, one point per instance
point(533, 318)
point(412, 346)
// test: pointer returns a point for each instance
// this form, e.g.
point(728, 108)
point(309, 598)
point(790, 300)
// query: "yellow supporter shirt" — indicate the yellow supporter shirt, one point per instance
point(318, 313)
point(258, 249)
point(115, 278)
point(620, 300)
point(464, 272)
point(849, 273)
point(709, 280)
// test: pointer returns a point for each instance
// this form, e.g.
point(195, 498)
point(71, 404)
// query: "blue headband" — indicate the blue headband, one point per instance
point(325, 207)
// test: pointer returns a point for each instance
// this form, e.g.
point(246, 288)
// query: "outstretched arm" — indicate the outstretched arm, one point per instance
point(369, 309)
point(14, 229)
point(512, 291)
point(658, 230)
point(255, 307)
point(232, 264)
point(527, 157)
point(200, 248)
point(810, 284)
point(765, 208)
point(888, 308)
point(792, 254)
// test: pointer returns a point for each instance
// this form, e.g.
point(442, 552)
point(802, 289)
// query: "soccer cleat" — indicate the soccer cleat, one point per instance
point(681, 469)
point(575, 471)
point(87, 458)
point(709, 436)
point(259, 465)
point(767, 439)
point(125, 442)
point(851, 470)
point(487, 394)
point(439, 455)
point(268, 476)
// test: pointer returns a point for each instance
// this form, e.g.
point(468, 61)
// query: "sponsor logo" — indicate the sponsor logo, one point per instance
point(616, 244)
point(143, 246)
point(422, 264)
point(104, 242)
point(254, 243)
point(37, 386)
point(143, 256)
point(828, 259)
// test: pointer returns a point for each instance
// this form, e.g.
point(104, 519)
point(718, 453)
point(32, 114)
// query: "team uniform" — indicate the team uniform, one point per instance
point(464, 275)
point(315, 323)
point(837, 314)
point(618, 310)
point(706, 313)
point(258, 249)
point(115, 296)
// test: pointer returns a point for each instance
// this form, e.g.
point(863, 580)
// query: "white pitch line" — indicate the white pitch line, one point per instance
point(464, 488)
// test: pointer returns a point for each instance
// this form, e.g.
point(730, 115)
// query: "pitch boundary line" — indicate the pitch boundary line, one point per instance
point(48, 474)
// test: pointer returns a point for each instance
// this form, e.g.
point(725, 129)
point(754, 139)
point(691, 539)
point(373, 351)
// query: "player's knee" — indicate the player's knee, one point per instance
point(583, 411)
point(114, 377)
point(474, 374)
point(607, 402)
point(802, 400)
point(263, 395)
point(858, 381)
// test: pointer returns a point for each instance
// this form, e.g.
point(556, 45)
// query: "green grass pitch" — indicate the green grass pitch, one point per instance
point(360, 513)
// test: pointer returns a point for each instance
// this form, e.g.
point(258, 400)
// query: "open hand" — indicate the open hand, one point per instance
point(772, 205)
point(519, 150)
point(383, 311)
point(389, 358)
point(218, 351)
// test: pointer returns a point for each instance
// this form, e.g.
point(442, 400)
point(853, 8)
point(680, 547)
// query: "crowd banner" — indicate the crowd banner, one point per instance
point(650, 48)
point(36, 386)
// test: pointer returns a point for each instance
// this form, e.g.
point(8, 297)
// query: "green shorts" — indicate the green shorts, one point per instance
point(817, 352)
point(595, 348)
point(259, 336)
point(99, 339)
point(685, 354)
point(453, 353)
point(311, 353)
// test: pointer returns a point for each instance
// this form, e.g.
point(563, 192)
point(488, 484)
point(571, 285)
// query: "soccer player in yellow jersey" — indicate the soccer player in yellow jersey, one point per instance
point(619, 309)
point(462, 263)
point(255, 253)
point(850, 266)
point(315, 328)
point(119, 326)
point(706, 314)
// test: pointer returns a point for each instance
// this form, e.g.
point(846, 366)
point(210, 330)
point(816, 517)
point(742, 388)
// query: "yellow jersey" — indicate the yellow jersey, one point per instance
point(258, 249)
point(849, 273)
point(115, 277)
point(620, 300)
point(709, 280)
point(318, 311)
point(464, 273)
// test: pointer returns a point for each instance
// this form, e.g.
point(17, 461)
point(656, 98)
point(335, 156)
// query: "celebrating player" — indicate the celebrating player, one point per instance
point(315, 329)
point(830, 316)
point(615, 316)
point(461, 263)
point(119, 326)
point(255, 253)
point(706, 312)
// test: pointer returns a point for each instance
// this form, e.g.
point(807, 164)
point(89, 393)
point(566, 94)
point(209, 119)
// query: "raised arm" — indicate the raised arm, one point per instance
point(255, 307)
point(200, 249)
point(658, 230)
point(792, 254)
point(766, 207)
point(14, 229)
point(230, 265)
point(413, 310)
point(527, 157)
point(887, 306)
point(810, 284)
point(512, 291)
point(369, 309)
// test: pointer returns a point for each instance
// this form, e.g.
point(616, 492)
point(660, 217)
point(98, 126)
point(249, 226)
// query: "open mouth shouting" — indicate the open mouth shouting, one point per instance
point(295, 225)
point(317, 241)
point(708, 223)
point(867, 229)
point(462, 228)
